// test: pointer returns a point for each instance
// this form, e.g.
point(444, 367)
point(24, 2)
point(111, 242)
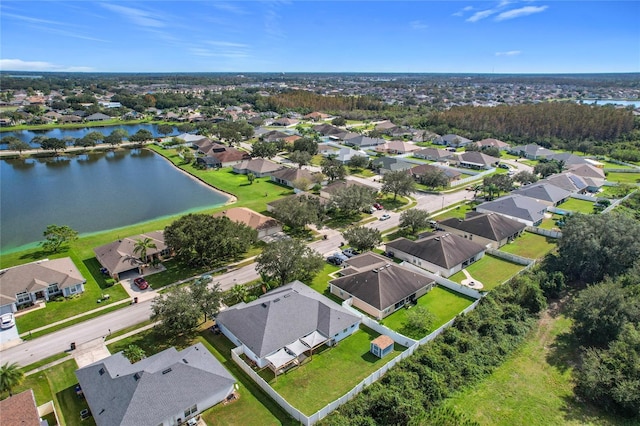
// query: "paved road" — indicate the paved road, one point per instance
point(34, 350)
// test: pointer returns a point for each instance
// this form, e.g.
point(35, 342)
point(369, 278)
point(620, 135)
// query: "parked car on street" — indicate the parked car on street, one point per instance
point(350, 252)
point(7, 321)
point(378, 206)
point(337, 258)
point(141, 283)
point(385, 216)
point(504, 166)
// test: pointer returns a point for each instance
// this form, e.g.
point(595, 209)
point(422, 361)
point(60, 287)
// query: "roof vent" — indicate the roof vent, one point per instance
point(168, 370)
point(264, 305)
point(185, 361)
point(136, 376)
point(437, 238)
point(286, 295)
point(101, 371)
point(276, 300)
point(375, 271)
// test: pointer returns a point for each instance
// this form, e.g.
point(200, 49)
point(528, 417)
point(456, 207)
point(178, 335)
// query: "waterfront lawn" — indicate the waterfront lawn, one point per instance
point(490, 271)
point(75, 305)
point(443, 303)
point(631, 178)
point(534, 386)
point(330, 373)
point(577, 206)
point(530, 245)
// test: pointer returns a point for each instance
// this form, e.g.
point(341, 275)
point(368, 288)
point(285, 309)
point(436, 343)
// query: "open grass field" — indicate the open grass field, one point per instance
point(631, 178)
point(330, 373)
point(490, 271)
point(533, 387)
point(577, 206)
point(443, 303)
point(530, 245)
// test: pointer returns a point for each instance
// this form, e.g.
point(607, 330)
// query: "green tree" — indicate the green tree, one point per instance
point(134, 353)
point(176, 312)
point(362, 238)
point(525, 178)
point(333, 168)
point(264, 149)
point(352, 199)
point(419, 321)
point(498, 183)
point(55, 236)
point(204, 240)
point(115, 137)
point(358, 162)
point(15, 144)
point(546, 168)
point(208, 298)
point(165, 129)
point(10, 376)
point(287, 260)
point(251, 177)
point(141, 247)
point(398, 183)
point(298, 212)
point(434, 177)
point(307, 145)
point(239, 293)
point(54, 144)
point(339, 121)
point(302, 158)
point(141, 135)
point(415, 219)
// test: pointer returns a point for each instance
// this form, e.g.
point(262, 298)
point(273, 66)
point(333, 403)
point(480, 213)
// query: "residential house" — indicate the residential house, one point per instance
point(264, 225)
point(291, 139)
point(288, 176)
point(41, 280)
point(260, 167)
point(167, 388)
point(316, 116)
point(119, 256)
point(20, 410)
point(568, 181)
point(489, 229)
point(98, 116)
point(475, 160)
point(329, 190)
point(530, 151)
point(390, 164)
point(326, 129)
point(287, 322)
point(53, 115)
point(378, 286)
point(219, 155)
point(544, 192)
point(587, 171)
point(344, 155)
point(70, 119)
point(517, 207)
point(568, 159)
point(398, 147)
point(285, 122)
point(381, 346)
point(451, 140)
point(363, 141)
point(418, 171)
point(273, 135)
point(326, 149)
point(385, 126)
point(441, 253)
point(492, 143)
point(434, 154)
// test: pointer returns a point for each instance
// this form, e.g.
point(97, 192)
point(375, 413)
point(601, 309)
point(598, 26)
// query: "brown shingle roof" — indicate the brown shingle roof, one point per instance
point(382, 341)
point(20, 410)
point(118, 256)
point(489, 225)
point(248, 217)
point(441, 249)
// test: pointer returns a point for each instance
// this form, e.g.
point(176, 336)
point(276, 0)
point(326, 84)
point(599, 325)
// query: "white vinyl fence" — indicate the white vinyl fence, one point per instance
point(513, 258)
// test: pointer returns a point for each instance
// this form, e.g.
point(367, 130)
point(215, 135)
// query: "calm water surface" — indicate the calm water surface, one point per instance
point(93, 192)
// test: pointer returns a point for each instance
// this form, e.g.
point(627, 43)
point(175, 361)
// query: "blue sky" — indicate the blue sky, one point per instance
point(323, 36)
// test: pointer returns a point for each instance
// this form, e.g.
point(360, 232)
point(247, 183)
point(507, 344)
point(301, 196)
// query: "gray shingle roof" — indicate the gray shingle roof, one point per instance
point(442, 249)
point(364, 141)
point(543, 192)
point(492, 226)
point(153, 389)
point(118, 256)
point(383, 286)
point(284, 315)
point(516, 205)
point(567, 181)
point(475, 157)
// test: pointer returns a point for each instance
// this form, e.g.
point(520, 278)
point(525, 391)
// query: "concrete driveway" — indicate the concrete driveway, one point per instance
point(9, 337)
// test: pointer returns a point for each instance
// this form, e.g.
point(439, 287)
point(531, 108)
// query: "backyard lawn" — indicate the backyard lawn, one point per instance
point(443, 303)
point(490, 271)
point(321, 281)
point(577, 206)
point(530, 245)
point(330, 373)
point(632, 178)
point(550, 223)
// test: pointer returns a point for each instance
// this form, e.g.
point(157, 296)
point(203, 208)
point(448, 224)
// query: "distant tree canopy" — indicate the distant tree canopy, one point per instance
point(305, 101)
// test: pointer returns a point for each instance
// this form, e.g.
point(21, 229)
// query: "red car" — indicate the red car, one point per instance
point(378, 206)
point(141, 283)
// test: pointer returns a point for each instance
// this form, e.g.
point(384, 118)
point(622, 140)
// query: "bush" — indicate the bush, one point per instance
point(109, 282)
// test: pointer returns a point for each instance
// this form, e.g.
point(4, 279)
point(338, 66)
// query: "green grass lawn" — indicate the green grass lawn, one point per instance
point(490, 271)
point(533, 387)
point(363, 173)
point(631, 178)
point(175, 272)
point(504, 155)
point(610, 165)
point(443, 303)
point(550, 223)
point(458, 212)
point(577, 206)
point(530, 245)
point(332, 372)
point(320, 282)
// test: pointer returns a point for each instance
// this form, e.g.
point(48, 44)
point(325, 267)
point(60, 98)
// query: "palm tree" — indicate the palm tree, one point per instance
point(239, 292)
point(141, 247)
point(10, 377)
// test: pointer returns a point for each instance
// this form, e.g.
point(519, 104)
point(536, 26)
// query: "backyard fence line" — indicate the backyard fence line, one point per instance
point(513, 258)
point(379, 328)
point(546, 232)
point(446, 325)
point(620, 162)
point(445, 282)
point(614, 170)
point(615, 203)
point(584, 197)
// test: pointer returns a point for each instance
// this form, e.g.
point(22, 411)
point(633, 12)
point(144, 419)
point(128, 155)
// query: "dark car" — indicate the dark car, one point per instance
point(334, 260)
point(503, 166)
point(141, 283)
point(350, 252)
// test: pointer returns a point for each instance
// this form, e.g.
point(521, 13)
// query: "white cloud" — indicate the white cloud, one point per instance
point(31, 19)
point(463, 10)
point(229, 7)
point(481, 15)
point(20, 65)
point(509, 53)
point(418, 25)
point(226, 44)
point(137, 16)
point(523, 11)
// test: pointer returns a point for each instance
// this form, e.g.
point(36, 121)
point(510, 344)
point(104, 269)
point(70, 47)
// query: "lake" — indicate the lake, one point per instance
point(635, 104)
point(28, 135)
point(93, 192)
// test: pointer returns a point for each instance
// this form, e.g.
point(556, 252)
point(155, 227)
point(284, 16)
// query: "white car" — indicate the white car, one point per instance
point(385, 217)
point(7, 321)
